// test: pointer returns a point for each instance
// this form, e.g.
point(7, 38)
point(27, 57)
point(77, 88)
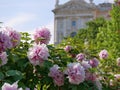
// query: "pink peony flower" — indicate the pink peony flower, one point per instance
point(68, 48)
point(86, 65)
point(103, 54)
point(5, 42)
point(3, 58)
point(80, 57)
point(118, 61)
point(57, 75)
point(14, 36)
point(90, 76)
point(7, 86)
point(94, 62)
point(38, 54)
point(42, 36)
point(76, 73)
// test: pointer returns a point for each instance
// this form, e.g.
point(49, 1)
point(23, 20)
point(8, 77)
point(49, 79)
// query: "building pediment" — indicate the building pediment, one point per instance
point(75, 5)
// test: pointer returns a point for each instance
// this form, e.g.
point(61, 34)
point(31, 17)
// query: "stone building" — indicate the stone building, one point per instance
point(73, 15)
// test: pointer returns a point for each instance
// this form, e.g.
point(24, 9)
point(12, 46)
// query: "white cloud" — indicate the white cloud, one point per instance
point(20, 19)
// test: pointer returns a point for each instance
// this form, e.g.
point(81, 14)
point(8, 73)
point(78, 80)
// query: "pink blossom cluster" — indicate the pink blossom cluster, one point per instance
point(5, 42)
point(80, 57)
point(57, 75)
point(103, 54)
point(42, 36)
point(118, 62)
point(14, 36)
point(76, 73)
point(38, 54)
point(8, 38)
point(94, 62)
point(68, 48)
point(3, 58)
point(86, 64)
point(14, 86)
point(90, 76)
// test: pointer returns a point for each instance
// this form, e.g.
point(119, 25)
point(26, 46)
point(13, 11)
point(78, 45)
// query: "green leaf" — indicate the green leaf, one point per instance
point(45, 87)
point(13, 73)
point(48, 64)
point(74, 88)
point(17, 77)
point(1, 75)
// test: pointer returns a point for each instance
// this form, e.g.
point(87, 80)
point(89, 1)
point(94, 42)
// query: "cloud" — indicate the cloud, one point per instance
point(20, 19)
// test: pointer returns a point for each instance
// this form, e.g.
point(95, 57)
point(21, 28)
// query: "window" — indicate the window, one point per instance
point(73, 23)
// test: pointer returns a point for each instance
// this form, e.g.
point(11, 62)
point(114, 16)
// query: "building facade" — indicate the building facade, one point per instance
point(73, 15)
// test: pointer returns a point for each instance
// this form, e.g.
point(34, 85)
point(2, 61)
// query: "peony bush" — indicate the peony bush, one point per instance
point(29, 65)
point(78, 63)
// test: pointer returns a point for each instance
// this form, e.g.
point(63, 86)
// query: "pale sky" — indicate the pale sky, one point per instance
point(26, 15)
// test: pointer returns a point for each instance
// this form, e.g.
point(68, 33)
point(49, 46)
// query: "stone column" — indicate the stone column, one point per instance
point(55, 31)
point(65, 26)
point(79, 23)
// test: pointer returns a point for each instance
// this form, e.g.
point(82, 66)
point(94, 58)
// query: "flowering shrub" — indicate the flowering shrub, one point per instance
point(99, 42)
point(28, 64)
